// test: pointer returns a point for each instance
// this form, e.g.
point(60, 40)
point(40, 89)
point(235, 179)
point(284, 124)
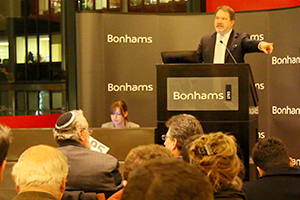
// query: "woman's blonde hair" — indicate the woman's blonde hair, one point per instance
point(216, 154)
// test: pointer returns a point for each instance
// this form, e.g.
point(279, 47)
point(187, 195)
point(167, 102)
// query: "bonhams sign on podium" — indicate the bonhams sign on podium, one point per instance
point(202, 93)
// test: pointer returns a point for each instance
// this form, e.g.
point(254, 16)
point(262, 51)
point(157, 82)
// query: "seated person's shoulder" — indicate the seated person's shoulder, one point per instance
point(108, 125)
point(132, 125)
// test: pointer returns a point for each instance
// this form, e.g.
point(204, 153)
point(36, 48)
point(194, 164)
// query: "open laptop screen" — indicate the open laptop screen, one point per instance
point(179, 57)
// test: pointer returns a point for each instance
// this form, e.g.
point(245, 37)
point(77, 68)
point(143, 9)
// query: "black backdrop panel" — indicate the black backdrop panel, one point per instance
point(101, 62)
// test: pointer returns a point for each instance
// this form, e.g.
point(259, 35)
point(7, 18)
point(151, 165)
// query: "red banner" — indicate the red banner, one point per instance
point(30, 121)
point(238, 5)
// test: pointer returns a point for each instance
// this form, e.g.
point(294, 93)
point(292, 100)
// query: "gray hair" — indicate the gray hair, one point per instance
point(68, 130)
point(183, 126)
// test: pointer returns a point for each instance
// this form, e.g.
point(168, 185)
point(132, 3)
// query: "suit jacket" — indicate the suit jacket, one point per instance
point(238, 43)
point(34, 195)
point(228, 191)
point(91, 171)
point(278, 183)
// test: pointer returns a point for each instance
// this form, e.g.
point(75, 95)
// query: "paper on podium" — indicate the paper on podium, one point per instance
point(98, 146)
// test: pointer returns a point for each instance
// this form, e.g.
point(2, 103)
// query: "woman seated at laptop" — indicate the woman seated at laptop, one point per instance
point(119, 116)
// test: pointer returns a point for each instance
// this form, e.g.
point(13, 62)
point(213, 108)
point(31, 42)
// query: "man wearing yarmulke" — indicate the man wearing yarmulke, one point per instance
point(90, 171)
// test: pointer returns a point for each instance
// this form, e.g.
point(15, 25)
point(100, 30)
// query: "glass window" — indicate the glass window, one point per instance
point(4, 51)
point(44, 101)
point(57, 100)
point(33, 101)
point(20, 101)
point(56, 48)
point(114, 4)
point(21, 53)
point(150, 2)
point(44, 48)
point(100, 4)
point(4, 103)
point(32, 49)
point(56, 6)
point(136, 3)
point(43, 7)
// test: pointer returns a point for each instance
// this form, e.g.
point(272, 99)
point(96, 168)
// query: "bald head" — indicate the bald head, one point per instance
point(41, 168)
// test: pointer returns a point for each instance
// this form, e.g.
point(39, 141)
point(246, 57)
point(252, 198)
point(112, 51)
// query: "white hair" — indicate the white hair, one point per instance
point(40, 166)
point(70, 132)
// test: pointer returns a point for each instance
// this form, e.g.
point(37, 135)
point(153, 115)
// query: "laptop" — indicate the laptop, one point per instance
point(179, 57)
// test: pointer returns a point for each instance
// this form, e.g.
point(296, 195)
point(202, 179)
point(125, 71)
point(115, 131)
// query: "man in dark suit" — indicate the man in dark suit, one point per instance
point(212, 48)
point(40, 173)
point(278, 179)
point(90, 171)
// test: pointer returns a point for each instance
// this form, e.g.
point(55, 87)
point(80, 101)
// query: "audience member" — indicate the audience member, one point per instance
point(167, 179)
point(5, 140)
point(40, 173)
point(216, 154)
point(119, 116)
point(278, 178)
point(138, 156)
point(90, 171)
point(180, 127)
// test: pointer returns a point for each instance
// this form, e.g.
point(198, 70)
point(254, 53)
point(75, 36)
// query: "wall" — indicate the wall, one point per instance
point(106, 58)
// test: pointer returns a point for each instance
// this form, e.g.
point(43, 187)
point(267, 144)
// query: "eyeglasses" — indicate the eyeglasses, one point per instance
point(164, 137)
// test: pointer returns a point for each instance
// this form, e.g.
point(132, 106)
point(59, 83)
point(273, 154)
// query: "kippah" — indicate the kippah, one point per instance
point(65, 120)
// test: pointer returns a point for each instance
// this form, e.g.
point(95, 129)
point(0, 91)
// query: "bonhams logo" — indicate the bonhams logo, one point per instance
point(127, 39)
point(285, 110)
point(197, 96)
point(285, 60)
point(129, 87)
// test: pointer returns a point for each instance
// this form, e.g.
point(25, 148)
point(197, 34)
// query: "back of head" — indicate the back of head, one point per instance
point(183, 126)
point(269, 153)
point(167, 179)
point(40, 166)
point(216, 154)
point(5, 140)
point(68, 124)
point(186, 147)
point(143, 153)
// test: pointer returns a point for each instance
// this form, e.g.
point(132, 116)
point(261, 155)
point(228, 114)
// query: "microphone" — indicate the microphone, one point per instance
point(229, 52)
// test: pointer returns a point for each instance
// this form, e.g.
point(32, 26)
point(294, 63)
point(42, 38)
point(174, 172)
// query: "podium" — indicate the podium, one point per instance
point(222, 97)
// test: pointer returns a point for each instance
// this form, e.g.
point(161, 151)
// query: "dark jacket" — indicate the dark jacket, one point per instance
point(91, 171)
point(228, 191)
point(239, 44)
point(278, 183)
